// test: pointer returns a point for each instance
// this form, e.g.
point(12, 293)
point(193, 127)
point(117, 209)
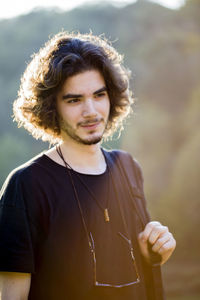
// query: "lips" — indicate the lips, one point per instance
point(90, 124)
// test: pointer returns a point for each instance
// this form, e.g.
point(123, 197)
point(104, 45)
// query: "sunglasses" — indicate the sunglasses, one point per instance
point(133, 265)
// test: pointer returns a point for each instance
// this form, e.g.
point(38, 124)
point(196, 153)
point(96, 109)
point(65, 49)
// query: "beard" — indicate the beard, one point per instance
point(71, 132)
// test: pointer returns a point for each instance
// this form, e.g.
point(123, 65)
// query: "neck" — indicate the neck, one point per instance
point(84, 158)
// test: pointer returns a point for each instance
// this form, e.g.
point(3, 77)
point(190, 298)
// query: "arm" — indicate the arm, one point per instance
point(14, 286)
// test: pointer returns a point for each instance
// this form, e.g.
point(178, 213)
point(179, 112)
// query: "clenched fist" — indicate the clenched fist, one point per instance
point(159, 238)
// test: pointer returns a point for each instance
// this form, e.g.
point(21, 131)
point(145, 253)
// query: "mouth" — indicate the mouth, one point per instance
point(91, 125)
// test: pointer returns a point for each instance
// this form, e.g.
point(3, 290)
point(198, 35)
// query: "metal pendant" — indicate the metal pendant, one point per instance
point(106, 215)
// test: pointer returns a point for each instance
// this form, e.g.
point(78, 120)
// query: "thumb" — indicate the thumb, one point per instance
point(143, 244)
point(141, 237)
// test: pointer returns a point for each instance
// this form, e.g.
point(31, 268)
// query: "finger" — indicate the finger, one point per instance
point(169, 246)
point(144, 236)
point(161, 241)
point(157, 232)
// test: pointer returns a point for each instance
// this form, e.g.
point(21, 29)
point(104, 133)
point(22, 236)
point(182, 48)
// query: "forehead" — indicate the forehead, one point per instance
point(84, 82)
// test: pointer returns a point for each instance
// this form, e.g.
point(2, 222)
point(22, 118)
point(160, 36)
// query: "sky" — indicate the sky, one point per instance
point(12, 8)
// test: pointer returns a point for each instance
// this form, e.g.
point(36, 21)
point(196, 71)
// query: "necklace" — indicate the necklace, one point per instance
point(106, 216)
point(105, 210)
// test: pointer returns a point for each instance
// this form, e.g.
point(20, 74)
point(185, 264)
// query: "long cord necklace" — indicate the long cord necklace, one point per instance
point(89, 235)
point(105, 210)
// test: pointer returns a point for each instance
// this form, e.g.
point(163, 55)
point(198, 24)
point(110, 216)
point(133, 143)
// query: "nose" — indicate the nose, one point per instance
point(89, 109)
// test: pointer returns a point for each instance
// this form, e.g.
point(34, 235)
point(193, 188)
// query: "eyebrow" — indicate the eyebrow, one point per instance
point(69, 96)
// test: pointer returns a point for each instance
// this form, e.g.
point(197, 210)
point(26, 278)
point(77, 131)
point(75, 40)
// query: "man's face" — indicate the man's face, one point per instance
point(83, 107)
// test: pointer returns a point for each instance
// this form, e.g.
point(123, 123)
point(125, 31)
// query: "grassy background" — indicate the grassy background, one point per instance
point(182, 279)
point(192, 297)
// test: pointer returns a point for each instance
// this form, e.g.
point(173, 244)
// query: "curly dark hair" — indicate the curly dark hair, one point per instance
point(65, 55)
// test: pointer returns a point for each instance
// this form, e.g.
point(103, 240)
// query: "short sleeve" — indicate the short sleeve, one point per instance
point(16, 229)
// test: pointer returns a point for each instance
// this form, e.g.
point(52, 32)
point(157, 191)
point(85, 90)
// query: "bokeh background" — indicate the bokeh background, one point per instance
point(161, 47)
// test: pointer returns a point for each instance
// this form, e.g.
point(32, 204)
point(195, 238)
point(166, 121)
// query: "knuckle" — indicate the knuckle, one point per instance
point(166, 228)
point(149, 225)
point(165, 247)
point(171, 238)
point(159, 243)
point(158, 230)
point(153, 224)
point(156, 223)
point(151, 240)
point(145, 236)
point(174, 243)
point(170, 235)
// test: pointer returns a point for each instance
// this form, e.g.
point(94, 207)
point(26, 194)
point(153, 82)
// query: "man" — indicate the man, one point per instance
point(73, 220)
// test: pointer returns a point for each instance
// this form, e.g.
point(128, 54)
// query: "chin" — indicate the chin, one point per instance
point(91, 138)
point(93, 141)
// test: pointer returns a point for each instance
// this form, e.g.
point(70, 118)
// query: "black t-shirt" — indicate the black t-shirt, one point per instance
point(42, 232)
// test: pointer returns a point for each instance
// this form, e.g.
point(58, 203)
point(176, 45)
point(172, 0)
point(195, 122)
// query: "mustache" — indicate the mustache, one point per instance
point(91, 121)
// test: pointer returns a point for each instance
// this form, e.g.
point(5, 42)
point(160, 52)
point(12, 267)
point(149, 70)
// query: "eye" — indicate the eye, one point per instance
point(74, 100)
point(100, 95)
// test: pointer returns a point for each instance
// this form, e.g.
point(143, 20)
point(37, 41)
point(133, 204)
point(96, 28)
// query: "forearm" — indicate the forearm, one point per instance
point(6, 294)
point(14, 286)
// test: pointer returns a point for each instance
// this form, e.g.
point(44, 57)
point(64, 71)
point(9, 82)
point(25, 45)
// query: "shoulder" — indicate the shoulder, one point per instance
point(125, 158)
point(26, 168)
point(22, 174)
point(116, 153)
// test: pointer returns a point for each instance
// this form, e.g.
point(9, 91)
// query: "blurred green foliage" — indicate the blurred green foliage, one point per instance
point(162, 48)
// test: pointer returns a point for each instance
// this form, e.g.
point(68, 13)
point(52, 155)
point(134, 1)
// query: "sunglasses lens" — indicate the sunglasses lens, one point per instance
point(116, 270)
